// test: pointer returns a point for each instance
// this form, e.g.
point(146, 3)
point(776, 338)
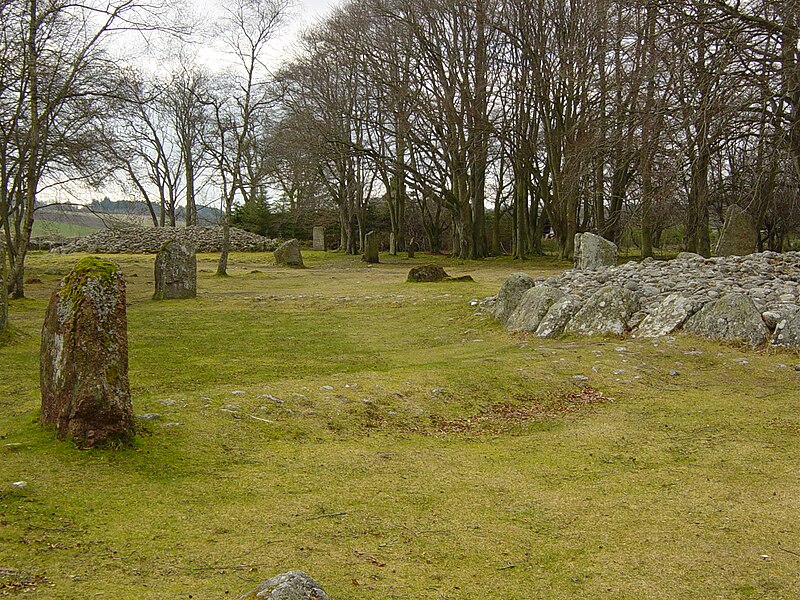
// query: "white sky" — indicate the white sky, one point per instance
point(307, 12)
point(303, 14)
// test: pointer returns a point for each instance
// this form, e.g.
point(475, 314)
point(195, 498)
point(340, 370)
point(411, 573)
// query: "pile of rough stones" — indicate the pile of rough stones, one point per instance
point(751, 299)
point(149, 240)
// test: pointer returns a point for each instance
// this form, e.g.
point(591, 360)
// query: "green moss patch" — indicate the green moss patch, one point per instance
point(88, 267)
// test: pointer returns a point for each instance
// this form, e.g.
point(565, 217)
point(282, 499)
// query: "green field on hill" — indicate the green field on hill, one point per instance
point(57, 229)
point(393, 443)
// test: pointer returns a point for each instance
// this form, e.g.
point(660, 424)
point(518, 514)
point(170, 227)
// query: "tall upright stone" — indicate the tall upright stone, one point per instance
point(84, 356)
point(371, 247)
point(738, 235)
point(3, 296)
point(318, 242)
point(392, 244)
point(594, 252)
point(412, 248)
point(175, 271)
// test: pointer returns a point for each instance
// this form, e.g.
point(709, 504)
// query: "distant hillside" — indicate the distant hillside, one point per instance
point(205, 215)
point(70, 221)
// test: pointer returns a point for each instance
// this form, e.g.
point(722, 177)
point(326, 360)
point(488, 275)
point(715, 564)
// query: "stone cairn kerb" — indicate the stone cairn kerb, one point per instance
point(747, 299)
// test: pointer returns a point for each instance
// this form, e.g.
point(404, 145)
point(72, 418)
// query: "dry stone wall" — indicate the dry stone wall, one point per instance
point(149, 240)
point(751, 299)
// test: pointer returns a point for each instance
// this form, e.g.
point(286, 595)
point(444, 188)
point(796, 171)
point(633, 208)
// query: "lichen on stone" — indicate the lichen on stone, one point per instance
point(87, 269)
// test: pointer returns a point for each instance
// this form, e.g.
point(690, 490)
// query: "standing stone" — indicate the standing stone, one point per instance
point(175, 271)
point(84, 356)
point(288, 255)
point(594, 252)
point(3, 296)
point(293, 585)
point(392, 244)
point(318, 242)
point(412, 248)
point(738, 235)
point(371, 247)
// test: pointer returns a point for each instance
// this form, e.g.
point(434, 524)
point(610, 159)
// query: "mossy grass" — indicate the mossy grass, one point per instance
point(393, 444)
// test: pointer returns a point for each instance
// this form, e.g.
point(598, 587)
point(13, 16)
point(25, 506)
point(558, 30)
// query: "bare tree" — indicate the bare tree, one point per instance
point(55, 75)
point(238, 100)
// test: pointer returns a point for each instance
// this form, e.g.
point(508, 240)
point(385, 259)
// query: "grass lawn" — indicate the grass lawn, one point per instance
point(385, 439)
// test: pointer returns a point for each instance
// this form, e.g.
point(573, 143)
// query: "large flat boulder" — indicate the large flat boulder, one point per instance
point(533, 307)
point(84, 356)
point(606, 312)
point(427, 274)
point(733, 317)
point(558, 315)
point(667, 316)
point(510, 294)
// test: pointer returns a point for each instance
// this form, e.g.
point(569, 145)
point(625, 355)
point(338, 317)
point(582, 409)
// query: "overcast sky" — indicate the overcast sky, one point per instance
point(303, 14)
point(307, 13)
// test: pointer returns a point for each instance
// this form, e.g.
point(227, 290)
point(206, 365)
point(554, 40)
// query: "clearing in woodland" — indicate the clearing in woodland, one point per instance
point(387, 440)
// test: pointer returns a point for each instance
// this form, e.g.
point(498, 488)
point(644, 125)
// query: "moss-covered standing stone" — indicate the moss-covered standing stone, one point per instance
point(734, 317)
point(532, 308)
point(175, 271)
point(84, 356)
point(318, 239)
point(510, 294)
point(606, 312)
